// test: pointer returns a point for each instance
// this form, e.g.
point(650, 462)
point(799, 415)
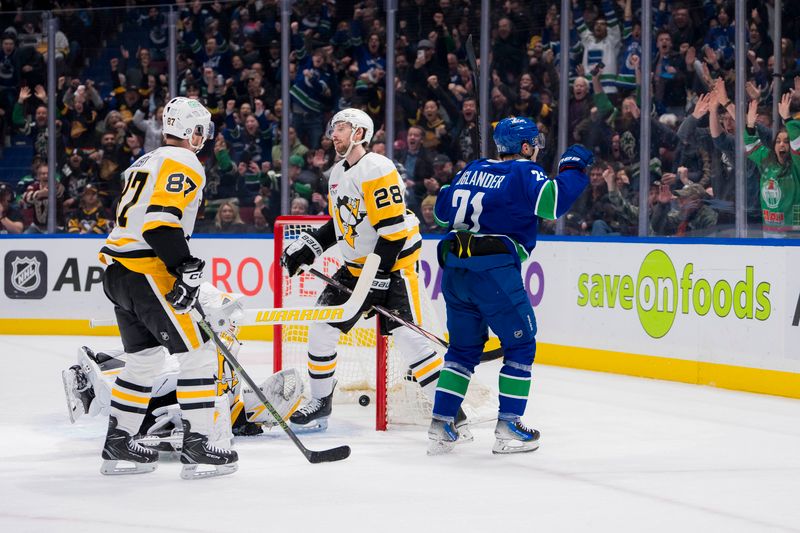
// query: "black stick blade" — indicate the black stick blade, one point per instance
point(328, 456)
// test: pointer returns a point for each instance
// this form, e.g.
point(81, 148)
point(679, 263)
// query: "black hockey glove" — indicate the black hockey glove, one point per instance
point(575, 157)
point(378, 293)
point(303, 251)
point(184, 291)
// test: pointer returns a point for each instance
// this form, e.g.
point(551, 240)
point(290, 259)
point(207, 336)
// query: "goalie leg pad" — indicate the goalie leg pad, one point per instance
point(284, 390)
point(424, 362)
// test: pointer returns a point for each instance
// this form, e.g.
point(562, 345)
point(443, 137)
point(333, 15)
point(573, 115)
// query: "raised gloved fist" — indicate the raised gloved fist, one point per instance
point(378, 293)
point(576, 157)
point(188, 276)
point(303, 251)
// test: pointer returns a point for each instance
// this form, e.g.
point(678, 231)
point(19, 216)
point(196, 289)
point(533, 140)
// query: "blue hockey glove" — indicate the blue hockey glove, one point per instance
point(575, 157)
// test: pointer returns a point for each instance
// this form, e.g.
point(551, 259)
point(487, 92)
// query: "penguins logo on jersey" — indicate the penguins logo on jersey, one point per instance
point(226, 379)
point(347, 218)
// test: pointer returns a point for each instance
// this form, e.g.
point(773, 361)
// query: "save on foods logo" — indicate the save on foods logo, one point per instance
point(659, 295)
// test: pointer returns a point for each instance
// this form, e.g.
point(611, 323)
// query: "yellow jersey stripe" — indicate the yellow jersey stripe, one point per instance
point(383, 197)
point(159, 224)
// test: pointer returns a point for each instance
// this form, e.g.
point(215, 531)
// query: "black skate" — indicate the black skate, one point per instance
point(197, 451)
point(78, 390)
point(513, 437)
point(120, 446)
point(313, 416)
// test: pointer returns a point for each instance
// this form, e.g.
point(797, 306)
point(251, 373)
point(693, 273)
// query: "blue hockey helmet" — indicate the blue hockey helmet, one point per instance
point(510, 133)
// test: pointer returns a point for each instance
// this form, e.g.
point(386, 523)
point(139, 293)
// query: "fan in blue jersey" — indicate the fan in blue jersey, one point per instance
point(492, 210)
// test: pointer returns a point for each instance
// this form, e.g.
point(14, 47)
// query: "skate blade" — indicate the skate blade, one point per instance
point(440, 447)
point(502, 446)
point(315, 426)
point(68, 378)
point(114, 467)
point(194, 471)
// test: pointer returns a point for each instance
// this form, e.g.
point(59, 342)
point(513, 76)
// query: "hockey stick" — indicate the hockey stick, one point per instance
point(473, 65)
point(382, 310)
point(301, 315)
point(307, 315)
point(321, 456)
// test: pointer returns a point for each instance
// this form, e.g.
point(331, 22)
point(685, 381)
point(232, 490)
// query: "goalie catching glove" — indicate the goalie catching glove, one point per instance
point(184, 291)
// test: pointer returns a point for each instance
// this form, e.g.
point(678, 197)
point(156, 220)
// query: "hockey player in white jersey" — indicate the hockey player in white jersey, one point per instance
point(238, 410)
point(368, 214)
point(152, 279)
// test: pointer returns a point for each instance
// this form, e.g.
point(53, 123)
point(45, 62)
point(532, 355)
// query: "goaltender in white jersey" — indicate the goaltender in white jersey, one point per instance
point(368, 215)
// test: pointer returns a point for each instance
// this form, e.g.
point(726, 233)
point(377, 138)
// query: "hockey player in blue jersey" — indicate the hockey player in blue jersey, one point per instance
point(492, 210)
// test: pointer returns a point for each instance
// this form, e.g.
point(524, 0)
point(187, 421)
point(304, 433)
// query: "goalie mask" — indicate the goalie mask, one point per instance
point(357, 119)
point(184, 117)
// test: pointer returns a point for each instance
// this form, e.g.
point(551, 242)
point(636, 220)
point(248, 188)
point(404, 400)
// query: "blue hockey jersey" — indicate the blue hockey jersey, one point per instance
point(506, 198)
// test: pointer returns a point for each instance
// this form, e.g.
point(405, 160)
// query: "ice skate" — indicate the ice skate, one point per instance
point(462, 426)
point(120, 446)
point(197, 451)
point(313, 416)
point(78, 390)
point(443, 437)
point(513, 437)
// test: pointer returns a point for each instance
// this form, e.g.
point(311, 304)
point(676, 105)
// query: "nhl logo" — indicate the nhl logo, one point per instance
point(164, 336)
point(26, 275)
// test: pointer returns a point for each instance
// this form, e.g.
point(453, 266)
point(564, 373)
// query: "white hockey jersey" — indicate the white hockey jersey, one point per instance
point(366, 201)
point(162, 188)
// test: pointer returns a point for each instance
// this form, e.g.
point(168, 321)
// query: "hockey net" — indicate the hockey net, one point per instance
point(367, 363)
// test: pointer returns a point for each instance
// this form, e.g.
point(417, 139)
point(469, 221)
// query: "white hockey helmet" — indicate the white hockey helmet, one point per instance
point(357, 119)
point(183, 117)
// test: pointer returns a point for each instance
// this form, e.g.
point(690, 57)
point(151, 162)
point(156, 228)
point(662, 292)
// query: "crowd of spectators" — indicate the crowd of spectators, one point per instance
point(228, 57)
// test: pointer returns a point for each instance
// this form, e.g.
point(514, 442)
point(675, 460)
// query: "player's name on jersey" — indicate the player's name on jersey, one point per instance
point(301, 315)
point(487, 180)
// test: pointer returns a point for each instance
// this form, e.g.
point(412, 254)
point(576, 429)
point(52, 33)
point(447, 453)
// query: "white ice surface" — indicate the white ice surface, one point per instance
point(617, 454)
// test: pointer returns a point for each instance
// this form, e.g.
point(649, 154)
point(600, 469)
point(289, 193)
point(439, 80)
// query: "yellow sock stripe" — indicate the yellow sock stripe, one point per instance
point(321, 368)
point(206, 393)
point(427, 368)
point(144, 400)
